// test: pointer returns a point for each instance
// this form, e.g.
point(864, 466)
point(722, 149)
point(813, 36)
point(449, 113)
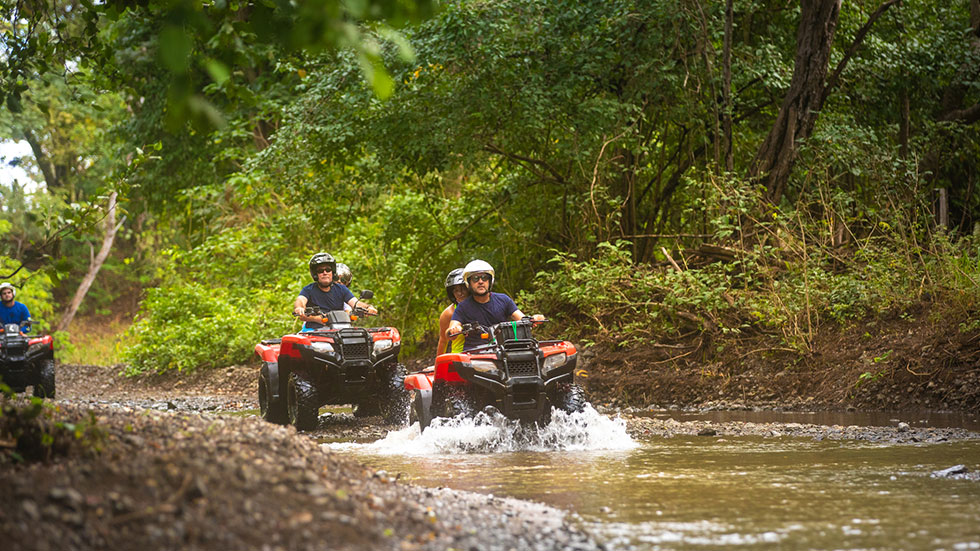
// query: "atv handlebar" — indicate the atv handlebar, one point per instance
point(470, 328)
point(316, 312)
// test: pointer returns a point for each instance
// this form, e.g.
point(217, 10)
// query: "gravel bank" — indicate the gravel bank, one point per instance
point(174, 480)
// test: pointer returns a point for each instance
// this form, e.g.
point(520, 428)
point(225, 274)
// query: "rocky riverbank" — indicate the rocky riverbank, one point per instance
point(167, 464)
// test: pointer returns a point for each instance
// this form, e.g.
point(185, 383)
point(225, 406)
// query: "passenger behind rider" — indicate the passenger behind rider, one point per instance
point(482, 306)
point(457, 292)
point(325, 292)
point(12, 311)
point(345, 276)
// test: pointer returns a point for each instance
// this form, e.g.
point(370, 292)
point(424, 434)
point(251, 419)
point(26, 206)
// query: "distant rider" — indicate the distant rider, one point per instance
point(457, 292)
point(325, 293)
point(12, 311)
point(482, 306)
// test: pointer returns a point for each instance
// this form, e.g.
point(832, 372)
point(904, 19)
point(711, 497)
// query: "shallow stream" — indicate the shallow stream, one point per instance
point(690, 492)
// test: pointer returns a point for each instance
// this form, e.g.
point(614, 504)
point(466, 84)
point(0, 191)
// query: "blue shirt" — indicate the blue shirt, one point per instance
point(334, 299)
point(498, 309)
point(14, 314)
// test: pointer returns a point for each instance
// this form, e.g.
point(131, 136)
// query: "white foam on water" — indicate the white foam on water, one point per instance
point(483, 433)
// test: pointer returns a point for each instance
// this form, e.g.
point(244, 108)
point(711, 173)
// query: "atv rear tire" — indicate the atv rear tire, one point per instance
point(273, 409)
point(393, 396)
point(44, 387)
point(302, 402)
point(569, 397)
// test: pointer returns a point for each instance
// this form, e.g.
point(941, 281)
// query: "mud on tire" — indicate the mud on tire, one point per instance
point(44, 388)
point(273, 409)
point(568, 397)
point(302, 402)
point(394, 397)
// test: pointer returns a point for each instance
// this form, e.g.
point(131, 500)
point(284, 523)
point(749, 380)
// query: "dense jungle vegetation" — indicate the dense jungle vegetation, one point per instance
point(641, 171)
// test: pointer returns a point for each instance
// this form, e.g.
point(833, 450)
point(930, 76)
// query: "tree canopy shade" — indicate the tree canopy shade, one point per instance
point(516, 128)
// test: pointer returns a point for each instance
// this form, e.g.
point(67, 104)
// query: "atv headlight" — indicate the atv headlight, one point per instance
point(555, 360)
point(322, 347)
point(381, 345)
point(36, 347)
point(483, 366)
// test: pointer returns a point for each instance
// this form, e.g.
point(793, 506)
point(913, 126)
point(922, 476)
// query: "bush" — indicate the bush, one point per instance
point(193, 326)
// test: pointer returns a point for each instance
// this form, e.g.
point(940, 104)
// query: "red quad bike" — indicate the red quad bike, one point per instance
point(518, 375)
point(27, 361)
point(337, 364)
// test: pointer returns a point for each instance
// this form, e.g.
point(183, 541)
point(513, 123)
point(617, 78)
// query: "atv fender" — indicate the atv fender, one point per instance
point(418, 381)
point(266, 352)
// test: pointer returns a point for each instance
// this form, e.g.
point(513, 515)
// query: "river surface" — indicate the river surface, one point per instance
point(690, 492)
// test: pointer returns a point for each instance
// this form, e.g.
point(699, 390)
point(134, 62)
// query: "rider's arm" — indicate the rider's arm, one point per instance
point(444, 318)
point(455, 327)
point(354, 303)
point(299, 307)
point(518, 316)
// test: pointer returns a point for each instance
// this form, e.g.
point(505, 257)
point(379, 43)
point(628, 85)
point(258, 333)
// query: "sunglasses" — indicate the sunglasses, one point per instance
point(323, 269)
point(480, 277)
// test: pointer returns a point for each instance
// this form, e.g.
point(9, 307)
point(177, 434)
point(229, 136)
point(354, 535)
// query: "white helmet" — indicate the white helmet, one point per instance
point(7, 285)
point(344, 274)
point(477, 267)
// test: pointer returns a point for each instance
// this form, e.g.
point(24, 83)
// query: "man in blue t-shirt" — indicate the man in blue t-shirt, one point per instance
point(482, 306)
point(325, 292)
point(12, 311)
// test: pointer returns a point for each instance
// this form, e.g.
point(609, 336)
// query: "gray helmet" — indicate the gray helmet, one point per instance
point(454, 278)
point(322, 258)
point(344, 275)
point(7, 285)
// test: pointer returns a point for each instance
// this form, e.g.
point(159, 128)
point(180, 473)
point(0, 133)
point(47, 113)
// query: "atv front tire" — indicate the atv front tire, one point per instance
point(273, 408)
point(302, 402)
point(44, 388)
point(394, 397)
point(420, 412)
point(569, 397)
point(451, 401)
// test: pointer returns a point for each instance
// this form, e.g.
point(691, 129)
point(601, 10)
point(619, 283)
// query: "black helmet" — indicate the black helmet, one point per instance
point(322, 258)
point(454, 278)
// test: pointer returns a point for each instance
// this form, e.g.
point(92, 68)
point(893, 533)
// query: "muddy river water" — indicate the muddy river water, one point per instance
point(697, 492)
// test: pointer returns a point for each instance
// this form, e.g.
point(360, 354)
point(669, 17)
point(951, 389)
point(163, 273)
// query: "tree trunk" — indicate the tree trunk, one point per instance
point(726, 89)
point(798, 112)
point(94, 265)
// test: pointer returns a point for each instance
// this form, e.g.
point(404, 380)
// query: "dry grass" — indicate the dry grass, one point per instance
point(93, 340)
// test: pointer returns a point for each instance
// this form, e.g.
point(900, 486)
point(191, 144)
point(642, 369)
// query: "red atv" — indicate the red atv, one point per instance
point(337, 364)
point(26, 361)
point(521, 377)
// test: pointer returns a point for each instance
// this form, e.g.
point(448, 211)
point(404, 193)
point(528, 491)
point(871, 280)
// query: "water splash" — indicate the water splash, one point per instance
point(483, 433)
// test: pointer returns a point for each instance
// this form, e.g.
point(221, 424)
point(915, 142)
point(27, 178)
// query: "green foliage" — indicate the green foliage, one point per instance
point(39, 435)
point(190, 326)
